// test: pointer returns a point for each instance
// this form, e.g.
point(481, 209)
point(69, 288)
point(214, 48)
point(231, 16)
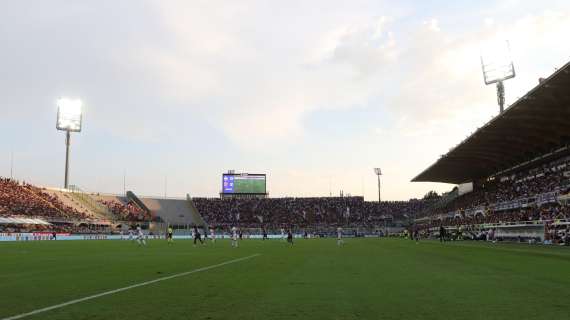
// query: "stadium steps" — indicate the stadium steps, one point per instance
point(68, 199)
point(173, 211)
point(91, 203)
point(132, 197)
point(197, 216)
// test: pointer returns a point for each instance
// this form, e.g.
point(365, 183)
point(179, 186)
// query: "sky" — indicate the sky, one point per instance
point(313, 93)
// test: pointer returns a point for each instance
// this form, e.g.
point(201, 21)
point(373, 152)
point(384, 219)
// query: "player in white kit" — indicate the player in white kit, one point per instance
point(140, 236)
point(339, 241)
point(235, 237)
point(213, 235)
point(282, 234)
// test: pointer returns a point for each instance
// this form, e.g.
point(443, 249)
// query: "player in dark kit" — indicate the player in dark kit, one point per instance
point(441, 234)
point(197, 236)
point(416, 234)
point(264, 234)
point(290, 237)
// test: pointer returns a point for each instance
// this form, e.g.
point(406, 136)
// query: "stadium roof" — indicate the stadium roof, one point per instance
point(534, 125)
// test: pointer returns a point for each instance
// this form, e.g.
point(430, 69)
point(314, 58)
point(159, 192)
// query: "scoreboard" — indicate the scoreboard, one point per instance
point(244, 183)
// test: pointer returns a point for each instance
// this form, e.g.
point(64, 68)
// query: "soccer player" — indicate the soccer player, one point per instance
point(212, 235)
point(339, 241)
point(282, 234)
point(235, 237)
point(140, 237)
point(416, 234)
point(131, 236)
point(197, 236)
point(169, 236)
point(264, 234)
point(441, 234)
point(290, 237)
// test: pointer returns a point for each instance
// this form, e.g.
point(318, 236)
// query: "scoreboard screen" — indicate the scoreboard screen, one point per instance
point(244, 183)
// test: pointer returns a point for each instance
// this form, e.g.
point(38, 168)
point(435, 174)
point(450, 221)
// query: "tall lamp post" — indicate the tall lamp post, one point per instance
point(69, 119)
point(497, 67)
point(378, 172)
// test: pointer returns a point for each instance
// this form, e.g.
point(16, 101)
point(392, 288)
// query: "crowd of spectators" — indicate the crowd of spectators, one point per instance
point(126, 212)
point(351, 211)
point(552, 177)
point(58, 228)
point(24, 199)
point(524, 187)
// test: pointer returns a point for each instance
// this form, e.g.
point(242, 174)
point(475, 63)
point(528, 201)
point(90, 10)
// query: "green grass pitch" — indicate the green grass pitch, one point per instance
point(249, 186)
point(314, 279)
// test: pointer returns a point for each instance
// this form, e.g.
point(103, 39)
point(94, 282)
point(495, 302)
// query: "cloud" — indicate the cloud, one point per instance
point(362, 46)
point(432, 25)
point(259, 97)
point(443, 82)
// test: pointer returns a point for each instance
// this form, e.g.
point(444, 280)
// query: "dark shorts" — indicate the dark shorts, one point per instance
point(170, 236)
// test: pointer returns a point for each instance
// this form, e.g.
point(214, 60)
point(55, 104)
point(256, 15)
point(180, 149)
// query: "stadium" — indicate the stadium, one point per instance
point(494, 245)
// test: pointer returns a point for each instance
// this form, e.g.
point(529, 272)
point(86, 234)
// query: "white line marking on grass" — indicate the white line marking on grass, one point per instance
point(519, 247)
point(142, 284)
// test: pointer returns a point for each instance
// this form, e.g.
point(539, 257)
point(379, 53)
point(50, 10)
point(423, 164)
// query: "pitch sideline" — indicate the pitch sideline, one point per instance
point(142, 284)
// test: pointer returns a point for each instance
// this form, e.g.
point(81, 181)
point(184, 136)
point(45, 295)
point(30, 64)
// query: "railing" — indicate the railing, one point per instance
point(132, 197)
point(510, 224)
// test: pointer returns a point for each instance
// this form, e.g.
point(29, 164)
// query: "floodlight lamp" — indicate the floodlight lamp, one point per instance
point(497, 63)
point(69, 114)
point(378, 171)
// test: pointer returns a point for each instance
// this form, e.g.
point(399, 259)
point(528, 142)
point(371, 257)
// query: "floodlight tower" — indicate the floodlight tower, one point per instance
point(378, 172)
point(69, 119)
point(497, 67)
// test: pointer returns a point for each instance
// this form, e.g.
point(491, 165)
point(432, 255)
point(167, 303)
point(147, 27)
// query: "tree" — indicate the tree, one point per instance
point(431, 195)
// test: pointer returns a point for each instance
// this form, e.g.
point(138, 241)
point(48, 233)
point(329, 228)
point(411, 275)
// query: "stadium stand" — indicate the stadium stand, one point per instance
point(131, 208)
point(27, 207)
point(178, 212)
point(23, 199)
point(122, 208)
point(273, 213)
point(519, 164)
point(68, 199)
point(533, 129)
